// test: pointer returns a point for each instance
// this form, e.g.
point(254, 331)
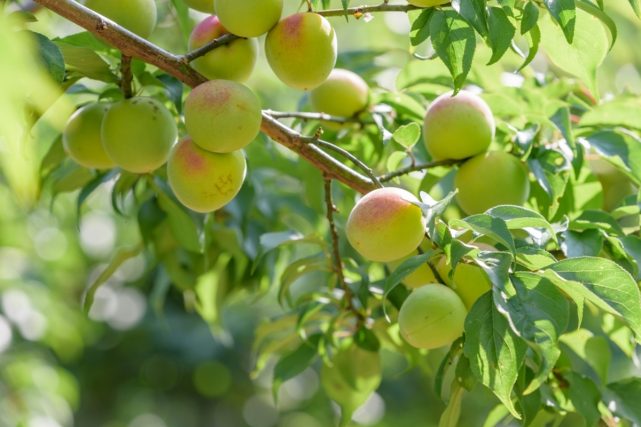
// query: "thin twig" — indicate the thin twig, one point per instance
point(126, 76)
point(223, 40)
point(358, 162)
point(360, 10)
point(348, 295)
point(132, 45)
point(311, 116)
point(418, 167)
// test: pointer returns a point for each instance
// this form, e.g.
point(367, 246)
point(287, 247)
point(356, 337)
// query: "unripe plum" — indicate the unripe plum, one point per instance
point(386, 225)
point(81, 137)
point(205, 181)
point(138, 16)
point(491, 179)
point(469, 281)
point(343, 94)
point(233, 61)
point(249, 18)
point(138, 133)
point(205, 6)
point(428, 3)
point(354, 374)
point(616, 185)
point(301, 50)
point(431, 317)
point(222, 116)
point(458, 127)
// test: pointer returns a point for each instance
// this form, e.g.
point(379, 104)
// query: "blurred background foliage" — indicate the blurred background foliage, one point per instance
point(147, 355)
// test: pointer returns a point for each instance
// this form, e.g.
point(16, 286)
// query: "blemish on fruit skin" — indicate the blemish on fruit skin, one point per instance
point(224, 184)
point(189, 156)
point(212, 96)
point(291, 26)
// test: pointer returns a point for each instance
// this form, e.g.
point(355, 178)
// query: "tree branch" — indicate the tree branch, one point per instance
point(204, 50)
point(360, 10)
point(132, 45)
point(312, 116)
point(419, 167)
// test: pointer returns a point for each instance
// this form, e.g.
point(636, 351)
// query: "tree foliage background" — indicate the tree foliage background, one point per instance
point(195, 318)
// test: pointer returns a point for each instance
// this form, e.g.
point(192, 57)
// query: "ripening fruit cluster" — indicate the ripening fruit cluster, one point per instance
point(462, 127)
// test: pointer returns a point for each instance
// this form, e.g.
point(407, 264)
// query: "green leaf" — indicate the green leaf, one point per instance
point(636, 7)
point(294, 363)
point(518, 218)
point(564, 13)
point(473, 11)
point(602, 282)
point(420, 30)
point(51, 57)
point(539, 314)
point(87, 62)
point(591, 350)
point(534, 258)
point(622, 150)
point(117, 260)
point(297, 269)
point(624, 111)
point(452, 413)
point(578, 244)
point(602, 16)
point(407, 135)
point(583, 57)
point(487, 225)
point(501, 33)
point(181, 223)
point(530, 17)
point(454, 42)
point(626, 394)
point(585, 397)
point(534, 40)
point(496, 354)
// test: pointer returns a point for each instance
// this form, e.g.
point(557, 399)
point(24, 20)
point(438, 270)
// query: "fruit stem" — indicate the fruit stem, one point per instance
point(126, 76)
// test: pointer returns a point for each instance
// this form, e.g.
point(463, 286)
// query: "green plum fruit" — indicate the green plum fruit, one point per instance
point(138, 133)
point(233, 61)
point(81, 137)
point(343, 94)
point(458, 127)
point(205, 181)
point(351, 378)
point(301, 50)
point(205, 6)
point(249, 18)
point(222, 116)
point(432, 317)
point(469, 281)
point(422, 276)
point(616, 185)
point(387, 224)
point(491, 179)
point(138, 16)
point(428, 3)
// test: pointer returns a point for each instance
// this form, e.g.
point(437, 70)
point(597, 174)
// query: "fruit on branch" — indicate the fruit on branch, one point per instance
point(138, 16)
point(422, 276)
point(351, 378)
point(431, 317)
point(82, 140)
point(249, 18)
point(301, 50)
point(222, 116)
point(427, 3)
point(343, 94)
point(469, 281)
point(205, 181)
point(138, 133)
point(233, 61)
point(616, 185)
point(206, 6)
point(491, 179)
point(387, 224)
point(458, 127)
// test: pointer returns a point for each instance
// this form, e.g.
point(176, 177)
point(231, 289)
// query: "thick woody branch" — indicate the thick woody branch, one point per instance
point(132, 45)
